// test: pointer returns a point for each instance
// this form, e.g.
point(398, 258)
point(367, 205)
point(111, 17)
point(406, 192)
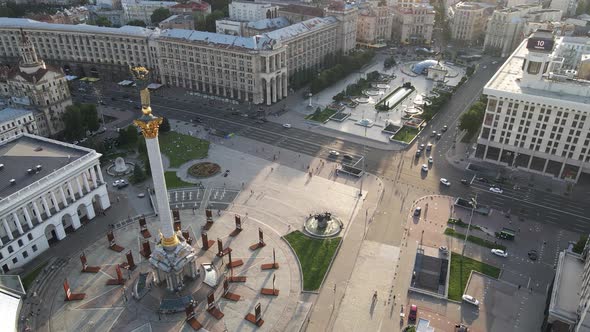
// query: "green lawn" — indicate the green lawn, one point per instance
point(321, 116)
point(461, 223)
point(474, 239)
point(461, 267)
point(406, 134)
point(173, 181)
point(180, 148)
point(314, 255)
point(29, 278)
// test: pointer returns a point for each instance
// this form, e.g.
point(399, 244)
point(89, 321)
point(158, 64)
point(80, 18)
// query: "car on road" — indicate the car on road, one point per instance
point(445, 182)
point(119, 182)
point(430, 160)
point(465, 182)
point(470, 299)
point(198, 120)
point(347, 157)
point(496, 190)
point(499, 252)
point(287, 125)
point(141, 195)
point(421, 147)
point(433, 133)
point(418, 153)
point(482, 180)
point(334, 153)
point(424, 168)
point(444, 128)
point(533, 255)
point(259, 121)
point(494, 62)
point(428, 146)
point(438, 136)
point(443, 250)
point(417, 211)
point(413, 313)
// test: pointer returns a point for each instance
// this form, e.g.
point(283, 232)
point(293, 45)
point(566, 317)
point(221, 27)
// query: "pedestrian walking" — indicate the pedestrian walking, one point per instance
point(519, 287)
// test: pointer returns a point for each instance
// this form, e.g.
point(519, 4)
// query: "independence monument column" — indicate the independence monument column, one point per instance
point(173, 258)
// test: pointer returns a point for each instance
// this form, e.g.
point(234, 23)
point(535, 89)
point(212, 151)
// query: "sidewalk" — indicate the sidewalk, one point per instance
point(463, 154)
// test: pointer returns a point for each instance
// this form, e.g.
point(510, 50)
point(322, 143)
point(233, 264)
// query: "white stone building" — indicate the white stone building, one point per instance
point(537, 118)
point(34, 84)
point(346, 14)
point(248, 11)
point(15, 121)
point(49, 189)
point(569, 300)
point(142, 9)
point(413, 23)
point(468, 21)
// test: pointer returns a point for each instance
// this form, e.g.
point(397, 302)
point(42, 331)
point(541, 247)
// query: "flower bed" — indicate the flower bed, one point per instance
point(204, 169)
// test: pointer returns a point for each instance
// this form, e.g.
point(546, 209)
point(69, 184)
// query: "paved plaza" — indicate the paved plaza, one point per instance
point(266, 194)
point(367, 111)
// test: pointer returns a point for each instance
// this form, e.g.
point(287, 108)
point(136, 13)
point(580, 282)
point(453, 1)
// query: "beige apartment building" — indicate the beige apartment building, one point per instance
point(469, 20)
point(413, 23)
point(374, 24)
point(510, 26)
point(252, 69)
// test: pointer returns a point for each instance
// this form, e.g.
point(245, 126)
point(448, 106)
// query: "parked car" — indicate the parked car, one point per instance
point(347, 157)
point(424, 168)
point(444, 250)
point(430, 160)
point(465, 182)
point(334, 153)
point(417, 211)
point(499, 252)
point(483, 180)
point(287, 125)
point(496, 190)
point(418, 153)
point(421, 147)
point(413, 313)
point(445, 182)
point(198, 120)
point(428, 146)
point(470, 299)
point(120, 184)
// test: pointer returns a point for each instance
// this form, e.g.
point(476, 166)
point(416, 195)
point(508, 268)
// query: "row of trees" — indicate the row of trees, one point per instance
point(80, 119)
point(348, 65)
point(436, 104)
point(472, 119)
point(157, 16)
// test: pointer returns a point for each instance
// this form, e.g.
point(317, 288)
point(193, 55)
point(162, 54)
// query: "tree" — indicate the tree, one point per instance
point(579, 246)
point(165, 125)
point(159, 15)
point(471, 120)
point(89, 116)
point(128, 136)
point(138, 174)
point(137, 23)
point(72, 120)
point(211, 18)
point(102, 21)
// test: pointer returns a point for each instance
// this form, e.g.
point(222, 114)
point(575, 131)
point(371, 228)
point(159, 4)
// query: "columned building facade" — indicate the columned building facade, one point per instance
point(45, 202)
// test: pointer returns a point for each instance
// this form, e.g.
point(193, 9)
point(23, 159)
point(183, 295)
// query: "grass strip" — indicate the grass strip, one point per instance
point(461, 267)
point(474, 239)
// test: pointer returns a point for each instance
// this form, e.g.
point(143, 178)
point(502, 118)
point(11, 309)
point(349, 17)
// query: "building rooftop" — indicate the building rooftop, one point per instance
point(199, 6)
point(303, 10)
point(508, 79)
point(252, 43)
point(17, 23)
point(565, 296)
point(300, 28)
point(8, 114)
point(269, 23)
point(27, 151)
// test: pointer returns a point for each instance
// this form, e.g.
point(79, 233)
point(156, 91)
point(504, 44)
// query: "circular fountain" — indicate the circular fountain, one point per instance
point(120, 167)
point(323, 225)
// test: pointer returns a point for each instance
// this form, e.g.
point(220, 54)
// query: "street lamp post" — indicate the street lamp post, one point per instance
point(310, 99)
point(473, 207)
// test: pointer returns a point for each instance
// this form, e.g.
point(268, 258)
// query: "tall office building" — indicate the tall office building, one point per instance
point(537, 117)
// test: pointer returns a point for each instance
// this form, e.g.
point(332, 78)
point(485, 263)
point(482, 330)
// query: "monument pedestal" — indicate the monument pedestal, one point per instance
point(171, 265)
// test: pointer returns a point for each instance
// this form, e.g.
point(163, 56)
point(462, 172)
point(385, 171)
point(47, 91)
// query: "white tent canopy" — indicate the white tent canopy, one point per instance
point(125, 83)
point(154, 86)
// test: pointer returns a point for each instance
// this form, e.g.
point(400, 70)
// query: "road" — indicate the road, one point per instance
point(400, 169)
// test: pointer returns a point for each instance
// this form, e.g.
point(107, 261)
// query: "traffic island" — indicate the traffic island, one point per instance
point(315, 257)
